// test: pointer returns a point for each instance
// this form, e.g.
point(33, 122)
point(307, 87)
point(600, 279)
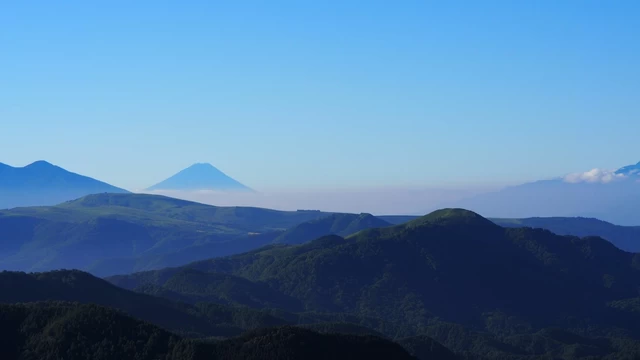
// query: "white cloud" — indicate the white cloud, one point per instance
point(600, 176)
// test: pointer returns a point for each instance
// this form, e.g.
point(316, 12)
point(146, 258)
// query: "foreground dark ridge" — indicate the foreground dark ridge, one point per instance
point(70, 331)
point(451, 266)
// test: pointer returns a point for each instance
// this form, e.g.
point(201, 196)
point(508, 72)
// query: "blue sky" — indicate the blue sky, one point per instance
point(321, 94)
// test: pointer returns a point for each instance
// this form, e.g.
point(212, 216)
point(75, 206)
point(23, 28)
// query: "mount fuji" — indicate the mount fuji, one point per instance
point(200, 176)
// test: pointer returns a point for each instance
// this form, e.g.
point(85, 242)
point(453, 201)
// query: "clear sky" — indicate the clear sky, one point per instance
point(324, 94)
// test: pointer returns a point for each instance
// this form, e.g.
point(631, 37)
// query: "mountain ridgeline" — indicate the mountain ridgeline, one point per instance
point(335, 224)
point(450, 281)
point(626, 238)
point(450, 268)
point(42, 183)
point(612, 197)
point(120, 233)
point(108, 234)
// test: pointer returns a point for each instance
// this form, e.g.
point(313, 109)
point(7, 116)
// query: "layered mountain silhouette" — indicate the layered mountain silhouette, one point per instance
point(626, 238)
point(485, 291)
point(201, 176)
point(44, 313)
point(612, 196)
point(62, 330)
point(118, 233)
point(42, 183)
point(335, 224)
point(453, 264)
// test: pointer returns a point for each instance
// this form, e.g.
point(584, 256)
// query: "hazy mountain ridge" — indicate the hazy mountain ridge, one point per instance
point(607, 195)
point(42, 183)
point(111, 233)
point(119, 233)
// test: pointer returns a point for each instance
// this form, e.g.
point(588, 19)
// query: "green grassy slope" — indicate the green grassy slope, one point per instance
point(119, 233)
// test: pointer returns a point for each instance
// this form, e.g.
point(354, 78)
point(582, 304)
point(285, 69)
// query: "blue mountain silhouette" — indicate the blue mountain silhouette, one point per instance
point(201, 176)
point(630, 170)
point(42, 183)
point(616, 201)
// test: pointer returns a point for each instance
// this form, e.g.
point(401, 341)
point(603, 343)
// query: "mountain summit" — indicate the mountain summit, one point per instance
point(201, 176)
point(629, 170)
point(42, 183)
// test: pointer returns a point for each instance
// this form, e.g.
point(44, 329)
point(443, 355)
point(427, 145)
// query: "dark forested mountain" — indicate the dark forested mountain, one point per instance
point(57, 331)
point(200, 176)
point(454, 266)
point(77, 286)
point(297, 343)
point(66, 331)
point(42, 183)
point(624, 237)
point(193, 286)
point(119, 233)
point(336, 224)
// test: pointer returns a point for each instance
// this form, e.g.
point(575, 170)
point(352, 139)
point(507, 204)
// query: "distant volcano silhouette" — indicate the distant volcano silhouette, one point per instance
point(42, 183)
point(201, 176)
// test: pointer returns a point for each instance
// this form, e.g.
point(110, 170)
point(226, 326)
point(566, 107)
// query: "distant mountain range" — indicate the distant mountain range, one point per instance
point(200, 176)
point(42, 183)
point(108, 234)
point(612, 196)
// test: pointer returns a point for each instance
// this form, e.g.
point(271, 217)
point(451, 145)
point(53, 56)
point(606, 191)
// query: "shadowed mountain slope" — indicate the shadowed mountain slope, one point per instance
point(56, 331)
point(624, 237)
point(453, 265)
point(335, 224)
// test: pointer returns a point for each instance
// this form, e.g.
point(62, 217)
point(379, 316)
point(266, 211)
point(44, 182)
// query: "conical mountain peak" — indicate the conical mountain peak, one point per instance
point(200, 176)
point(41, 164)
